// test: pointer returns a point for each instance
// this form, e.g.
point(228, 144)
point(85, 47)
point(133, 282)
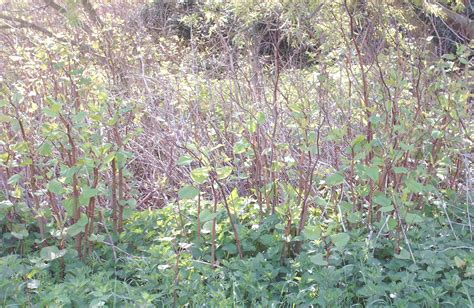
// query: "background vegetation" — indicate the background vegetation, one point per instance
point(236, 153)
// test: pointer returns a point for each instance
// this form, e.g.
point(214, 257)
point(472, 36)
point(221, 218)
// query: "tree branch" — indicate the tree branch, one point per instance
point(458, 21)
point(26, 24)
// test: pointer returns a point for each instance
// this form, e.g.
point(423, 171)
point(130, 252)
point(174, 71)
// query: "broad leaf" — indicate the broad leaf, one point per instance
point(335, 179)
point(318, 259)
point(223, 172)
point(51, 252)
point(188, 192)
point(200, 175)
point(79, 226)
point(340, 240)
point(184, 160)
point(55, 187)
point(312, 232)
point(207, 215)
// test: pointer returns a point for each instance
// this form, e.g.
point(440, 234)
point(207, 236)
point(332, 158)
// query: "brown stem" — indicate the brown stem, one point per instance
point(91, 211)
point(120, 200)
point(114, 194)
point(198, 218)
point(286, 244)
point(234, 228)
point(213, 232)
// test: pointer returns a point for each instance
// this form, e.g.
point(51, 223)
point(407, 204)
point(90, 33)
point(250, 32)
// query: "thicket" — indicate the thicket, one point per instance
point(236, 153)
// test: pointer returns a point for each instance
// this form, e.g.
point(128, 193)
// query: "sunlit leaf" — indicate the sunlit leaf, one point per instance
point(312, 232)
point(184, 160)
point(51, 252)
point(200, 175)
point(223, 172)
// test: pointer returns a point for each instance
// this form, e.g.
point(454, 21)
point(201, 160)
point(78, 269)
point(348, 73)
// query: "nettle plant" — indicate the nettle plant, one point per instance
point(64, 153)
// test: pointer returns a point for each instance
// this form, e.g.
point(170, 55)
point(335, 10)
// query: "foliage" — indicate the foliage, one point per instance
point(280, 153)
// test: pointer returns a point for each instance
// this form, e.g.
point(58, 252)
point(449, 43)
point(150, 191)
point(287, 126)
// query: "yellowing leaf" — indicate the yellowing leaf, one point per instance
point(184, 160)
point(223, 172)
point(200, 175)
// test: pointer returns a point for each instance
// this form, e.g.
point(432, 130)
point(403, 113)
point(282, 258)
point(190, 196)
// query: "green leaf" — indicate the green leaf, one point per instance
point(373, 172)
point(260, 117)
point(109, 158)
point(404, 255)
point(240, 146)
point(230, 248)
point(20, 234)
point(14, 179)
point(188, 192)
point(128, 212)
point(79, 226)
point(50, 112)
point(354, 217)
point(55, 187)
point(4, 118)
point(340, 240)
point(200, 175)
point(87, 193)
point(385, 209)
point(411, 218)
point(69, 172)
point(53, 109)
point(207, 215)
point(318, 259)
point(436, 134)
point(207, 227)
point(267, 240)
point(45, 149)
point(413, 185)
point(223, 172)
point(74, 230)
point(252, 126)
point(399, 170)
point(312, 232)
point(392, 223)
point(51, 252)
point(5, 204)
point(184, 160)
point(335, 179)
point(357, 140)
point(381, 199)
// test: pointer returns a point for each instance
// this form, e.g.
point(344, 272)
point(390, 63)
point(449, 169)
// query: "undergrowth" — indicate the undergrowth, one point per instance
point(235, 153)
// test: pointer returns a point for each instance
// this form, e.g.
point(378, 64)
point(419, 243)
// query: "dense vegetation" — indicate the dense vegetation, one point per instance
point(236, 153)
